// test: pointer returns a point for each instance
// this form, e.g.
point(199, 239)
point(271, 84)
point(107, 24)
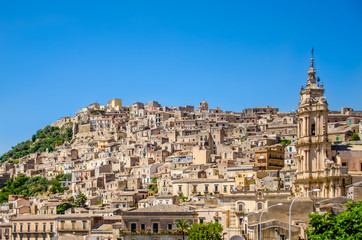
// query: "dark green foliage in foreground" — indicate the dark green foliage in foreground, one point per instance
point(46, 138)
point(31, 186)
point(346, 225)
point(207, 231)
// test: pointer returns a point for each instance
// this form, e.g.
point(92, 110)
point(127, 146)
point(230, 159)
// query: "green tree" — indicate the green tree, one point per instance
point(56, 186)
point(355, 137)
point(80, 200)
point(23, 185)
point(61, 208)
point(183, 227)
point(207, 231)
point(153, 185)
point(70, 199)
point(46, 138)
point(183, 198)
point(285, 142)
point(346, 225)
point(154, 180)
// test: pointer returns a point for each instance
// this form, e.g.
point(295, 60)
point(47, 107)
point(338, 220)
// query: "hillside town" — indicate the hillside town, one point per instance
point(132, 172)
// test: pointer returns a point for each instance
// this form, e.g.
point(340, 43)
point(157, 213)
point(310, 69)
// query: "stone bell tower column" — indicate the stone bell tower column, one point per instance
point(314, 150)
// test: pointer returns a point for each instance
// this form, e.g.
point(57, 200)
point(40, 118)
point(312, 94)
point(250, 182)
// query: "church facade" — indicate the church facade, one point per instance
point(316, 168)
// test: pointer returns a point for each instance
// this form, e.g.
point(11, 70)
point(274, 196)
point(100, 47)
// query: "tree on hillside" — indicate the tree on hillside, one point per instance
point(47, 138)
point(80, 200)
point(153, 185)
point(183, 227)
point(23, 185)
point(285, 142)
point(61, 208)
point(346, 225)
point(207, 231)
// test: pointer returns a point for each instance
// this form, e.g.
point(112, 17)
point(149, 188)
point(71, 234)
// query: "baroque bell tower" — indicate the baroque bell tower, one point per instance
point(315, 169)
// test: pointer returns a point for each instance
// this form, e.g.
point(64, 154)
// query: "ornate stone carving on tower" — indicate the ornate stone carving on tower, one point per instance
point(315, 167)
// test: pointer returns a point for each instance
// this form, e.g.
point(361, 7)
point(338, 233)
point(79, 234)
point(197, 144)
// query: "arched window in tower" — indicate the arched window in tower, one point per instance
point(313, 129)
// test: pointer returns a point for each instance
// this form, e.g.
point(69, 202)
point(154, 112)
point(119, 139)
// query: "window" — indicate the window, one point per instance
point(36, 227)
point(225, 189)
point(14, 227)
point(84, 225)
point(133, 227)
point(44, 227)
point(73, 225)
point(180, 188)
point(240, 207)
point(169, 226)
point(62, 224)
point(201, 220)
point(143, 227)
point(344, 164)
point(21, 227)
point(155, 227)
point(313, 129)
point(216, 188)
point(28, 227)
point(260, 206)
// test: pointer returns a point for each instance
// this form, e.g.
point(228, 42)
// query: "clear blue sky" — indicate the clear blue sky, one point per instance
point(58, 56)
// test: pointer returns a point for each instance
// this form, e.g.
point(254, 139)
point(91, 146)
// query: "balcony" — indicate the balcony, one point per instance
point(239, 213)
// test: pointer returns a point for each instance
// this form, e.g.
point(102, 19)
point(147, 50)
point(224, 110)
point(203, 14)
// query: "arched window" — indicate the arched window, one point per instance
point(313, 129)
